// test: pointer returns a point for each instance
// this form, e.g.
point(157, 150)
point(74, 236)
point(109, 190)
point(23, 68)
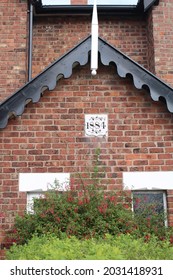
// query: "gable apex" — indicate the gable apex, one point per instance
point(32, 91)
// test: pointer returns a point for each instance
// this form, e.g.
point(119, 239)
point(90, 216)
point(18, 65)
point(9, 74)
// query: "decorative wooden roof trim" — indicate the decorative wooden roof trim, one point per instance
point(32, 91)
point(142, 78)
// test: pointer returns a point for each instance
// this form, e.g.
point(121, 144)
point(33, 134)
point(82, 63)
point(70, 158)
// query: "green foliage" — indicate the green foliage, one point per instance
point(84, 214)
point(122, 247)
point(150, 218)
point(138, 249)
point(89, 212)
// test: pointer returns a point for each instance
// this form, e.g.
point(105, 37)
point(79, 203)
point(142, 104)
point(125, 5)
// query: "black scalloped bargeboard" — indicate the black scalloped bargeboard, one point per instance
point(63, 67)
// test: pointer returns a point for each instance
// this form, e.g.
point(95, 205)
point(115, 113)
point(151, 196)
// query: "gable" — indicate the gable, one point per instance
point(79, 55)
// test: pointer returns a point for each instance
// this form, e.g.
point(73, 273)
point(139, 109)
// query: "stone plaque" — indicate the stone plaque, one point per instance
point(96, 125)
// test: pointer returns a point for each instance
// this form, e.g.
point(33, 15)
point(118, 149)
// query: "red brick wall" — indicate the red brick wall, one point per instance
point(163, 35)
point(56, 35)
point(150, 43)
point(170, 206)
point(13, 36)
point(49, 137)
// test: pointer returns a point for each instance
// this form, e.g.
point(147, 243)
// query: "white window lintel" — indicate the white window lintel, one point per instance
point(157, 180)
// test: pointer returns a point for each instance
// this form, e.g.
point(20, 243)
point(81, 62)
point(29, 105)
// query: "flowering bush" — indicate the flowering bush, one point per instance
point(86, 213)
point(150, 218)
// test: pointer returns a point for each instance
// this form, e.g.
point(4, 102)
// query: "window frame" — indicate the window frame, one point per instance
point(90, 2)
point(36, 184)
point(30, 196)
point(163, 192)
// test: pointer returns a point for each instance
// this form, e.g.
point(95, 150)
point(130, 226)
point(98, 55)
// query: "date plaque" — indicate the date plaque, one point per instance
point(96, 125)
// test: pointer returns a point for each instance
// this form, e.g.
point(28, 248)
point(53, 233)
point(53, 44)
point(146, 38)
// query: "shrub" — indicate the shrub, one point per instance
point(138, 249)
point(122, 247)
point(84, 214)
point(87, 212)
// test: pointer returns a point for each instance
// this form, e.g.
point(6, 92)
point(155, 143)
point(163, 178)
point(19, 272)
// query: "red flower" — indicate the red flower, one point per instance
point(113, 198)
point(102, 208)
point(86, 200)
point(80, 194)
point(146, 237)
point(137, 200)
point(171, 239)
point(126, 206)
point(80, 202)
point(162, 238)
point(70, 199)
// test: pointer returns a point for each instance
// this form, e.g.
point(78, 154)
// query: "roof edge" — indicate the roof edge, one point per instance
point(121, 10)
point(47, 79)
point(142, 78)
point(79, 55)
point(148, 3)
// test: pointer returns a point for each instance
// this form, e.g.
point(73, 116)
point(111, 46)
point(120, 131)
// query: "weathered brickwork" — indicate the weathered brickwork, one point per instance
point(163, 34)
point(150, 42)
point(49, 136)
point(13, 38)
point(53, 36)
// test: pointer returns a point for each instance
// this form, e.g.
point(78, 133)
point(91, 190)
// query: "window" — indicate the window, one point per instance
point(30, 200)
point(35, 184)
point(149, 188)
point(114, 2)
point(149, 203)
point(143, 198)
point(79, 7)
point(90, 2)
point(56, 2)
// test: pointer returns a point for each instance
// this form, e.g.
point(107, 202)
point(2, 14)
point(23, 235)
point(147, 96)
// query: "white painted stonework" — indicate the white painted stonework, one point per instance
point(96, 125)
point(38, 182)
point(162, 180)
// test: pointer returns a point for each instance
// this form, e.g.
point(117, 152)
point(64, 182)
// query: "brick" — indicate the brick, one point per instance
point(50, 136)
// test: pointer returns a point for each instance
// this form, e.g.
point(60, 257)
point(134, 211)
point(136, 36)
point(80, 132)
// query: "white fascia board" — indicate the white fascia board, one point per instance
point(159, 180)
